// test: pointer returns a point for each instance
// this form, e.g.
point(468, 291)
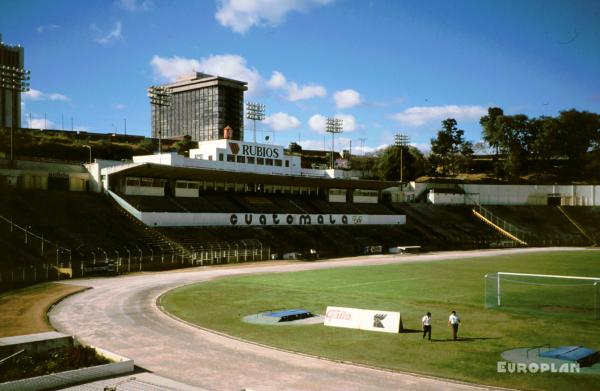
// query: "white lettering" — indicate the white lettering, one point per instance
point(534, 367)
point(501, 366)
point(510, 367)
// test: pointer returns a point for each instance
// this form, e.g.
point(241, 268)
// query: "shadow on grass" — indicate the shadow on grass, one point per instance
point(463, 339)
point(408, 331)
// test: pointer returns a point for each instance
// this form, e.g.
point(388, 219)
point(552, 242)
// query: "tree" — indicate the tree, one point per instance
point(295, 147)
point(578, 132)
point(514, 142)
point(492, 133)
point(145, 147)
point(183, 146)
point(450, 153)
point(388, 164)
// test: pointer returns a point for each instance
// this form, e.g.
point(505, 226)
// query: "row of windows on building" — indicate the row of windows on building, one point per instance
point(223, 186)
point(243, 187)
point(252, 160)
point(201, 113)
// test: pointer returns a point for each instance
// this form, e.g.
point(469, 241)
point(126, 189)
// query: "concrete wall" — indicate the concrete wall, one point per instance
point(364, 199)
point(146, 191)
point(120, 366)
point(33, 175)
point(173, 159)
point(438, 198)
point(175, 219)
point(181, 192)
point(125, 205)
point(35, 343)
point(575, 195)
point(584, 195)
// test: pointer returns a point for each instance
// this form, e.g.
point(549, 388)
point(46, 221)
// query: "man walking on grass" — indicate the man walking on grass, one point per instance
point(453, 322)
point(426, 321)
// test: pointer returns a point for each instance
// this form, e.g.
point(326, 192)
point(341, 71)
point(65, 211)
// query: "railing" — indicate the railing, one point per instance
point(505, 225)
point(32, 240)
point(501, 223)
point(54, 262)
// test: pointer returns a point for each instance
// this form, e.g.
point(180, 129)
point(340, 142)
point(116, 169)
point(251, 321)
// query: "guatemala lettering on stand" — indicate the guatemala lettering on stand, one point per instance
point(290, 219)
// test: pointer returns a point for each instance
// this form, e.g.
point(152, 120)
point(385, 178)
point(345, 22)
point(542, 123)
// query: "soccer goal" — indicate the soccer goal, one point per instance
point(544, 293)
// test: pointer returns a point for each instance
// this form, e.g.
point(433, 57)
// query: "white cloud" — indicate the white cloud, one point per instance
point(293, 91)
point(349, 122)
point(60, 97)
point(368, 149)
point(169, 69)
point(317, 123)
point(104, 39)
point(347, 98)
point(316, 145)
point(135, 5)
point(277, 80)
point(241, 15)
point(34, 94)
point(296, 93)
point(226, 65)
point(120, 106)
point(282, 121)
point(40, 123)
point(420, 115)
point(47, 27)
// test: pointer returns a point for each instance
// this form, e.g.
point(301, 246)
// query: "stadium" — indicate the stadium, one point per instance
point(236, 264)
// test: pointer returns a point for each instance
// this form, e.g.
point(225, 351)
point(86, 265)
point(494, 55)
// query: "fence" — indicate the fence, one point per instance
point(50, 261)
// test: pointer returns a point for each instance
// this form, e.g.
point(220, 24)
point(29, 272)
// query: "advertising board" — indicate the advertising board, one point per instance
point(356, 318)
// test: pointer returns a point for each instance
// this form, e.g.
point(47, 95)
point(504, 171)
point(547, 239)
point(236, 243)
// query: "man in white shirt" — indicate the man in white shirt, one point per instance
point(426, 321)
point(453, 322)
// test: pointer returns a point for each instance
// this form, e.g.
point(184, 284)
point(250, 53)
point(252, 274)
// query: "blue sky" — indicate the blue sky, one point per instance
point(384, 67)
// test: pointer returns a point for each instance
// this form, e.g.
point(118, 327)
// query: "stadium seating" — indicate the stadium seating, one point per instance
point(95, 229)
point(543, 225)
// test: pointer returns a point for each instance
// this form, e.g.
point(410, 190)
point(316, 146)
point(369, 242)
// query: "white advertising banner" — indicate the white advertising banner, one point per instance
point(385, 321)
point(355, 318)
point(343, 317)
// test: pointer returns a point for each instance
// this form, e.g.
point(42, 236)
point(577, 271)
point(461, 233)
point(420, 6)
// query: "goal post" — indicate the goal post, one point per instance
point(544, 293)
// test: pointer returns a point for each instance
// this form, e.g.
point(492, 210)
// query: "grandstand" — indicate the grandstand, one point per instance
point(221, 206)
point(542, 225)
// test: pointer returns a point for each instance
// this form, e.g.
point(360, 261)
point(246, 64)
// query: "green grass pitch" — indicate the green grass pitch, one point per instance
point(412, 289)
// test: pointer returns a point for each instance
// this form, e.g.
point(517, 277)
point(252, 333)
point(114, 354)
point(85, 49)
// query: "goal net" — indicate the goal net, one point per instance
point(543, 293)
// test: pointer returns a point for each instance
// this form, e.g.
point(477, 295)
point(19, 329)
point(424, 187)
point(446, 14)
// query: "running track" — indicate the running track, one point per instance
point(120, 314)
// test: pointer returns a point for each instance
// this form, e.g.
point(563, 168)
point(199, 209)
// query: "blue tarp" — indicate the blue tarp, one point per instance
point(571, 353)
point(282, 313)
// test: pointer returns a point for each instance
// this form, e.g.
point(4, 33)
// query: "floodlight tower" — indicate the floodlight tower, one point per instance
point(159, 97)
point(333, 126)
point(362, 145)
point(16, 80)
point(401, 141)
point(255, 112)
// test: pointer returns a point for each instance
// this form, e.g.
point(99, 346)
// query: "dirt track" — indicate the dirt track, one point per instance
point(120, 314)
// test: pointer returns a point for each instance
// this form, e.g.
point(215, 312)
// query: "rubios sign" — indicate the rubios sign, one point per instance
point(256, 150)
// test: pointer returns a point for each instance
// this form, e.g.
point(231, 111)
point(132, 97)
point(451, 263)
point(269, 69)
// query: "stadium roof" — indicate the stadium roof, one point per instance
point(151, 170)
